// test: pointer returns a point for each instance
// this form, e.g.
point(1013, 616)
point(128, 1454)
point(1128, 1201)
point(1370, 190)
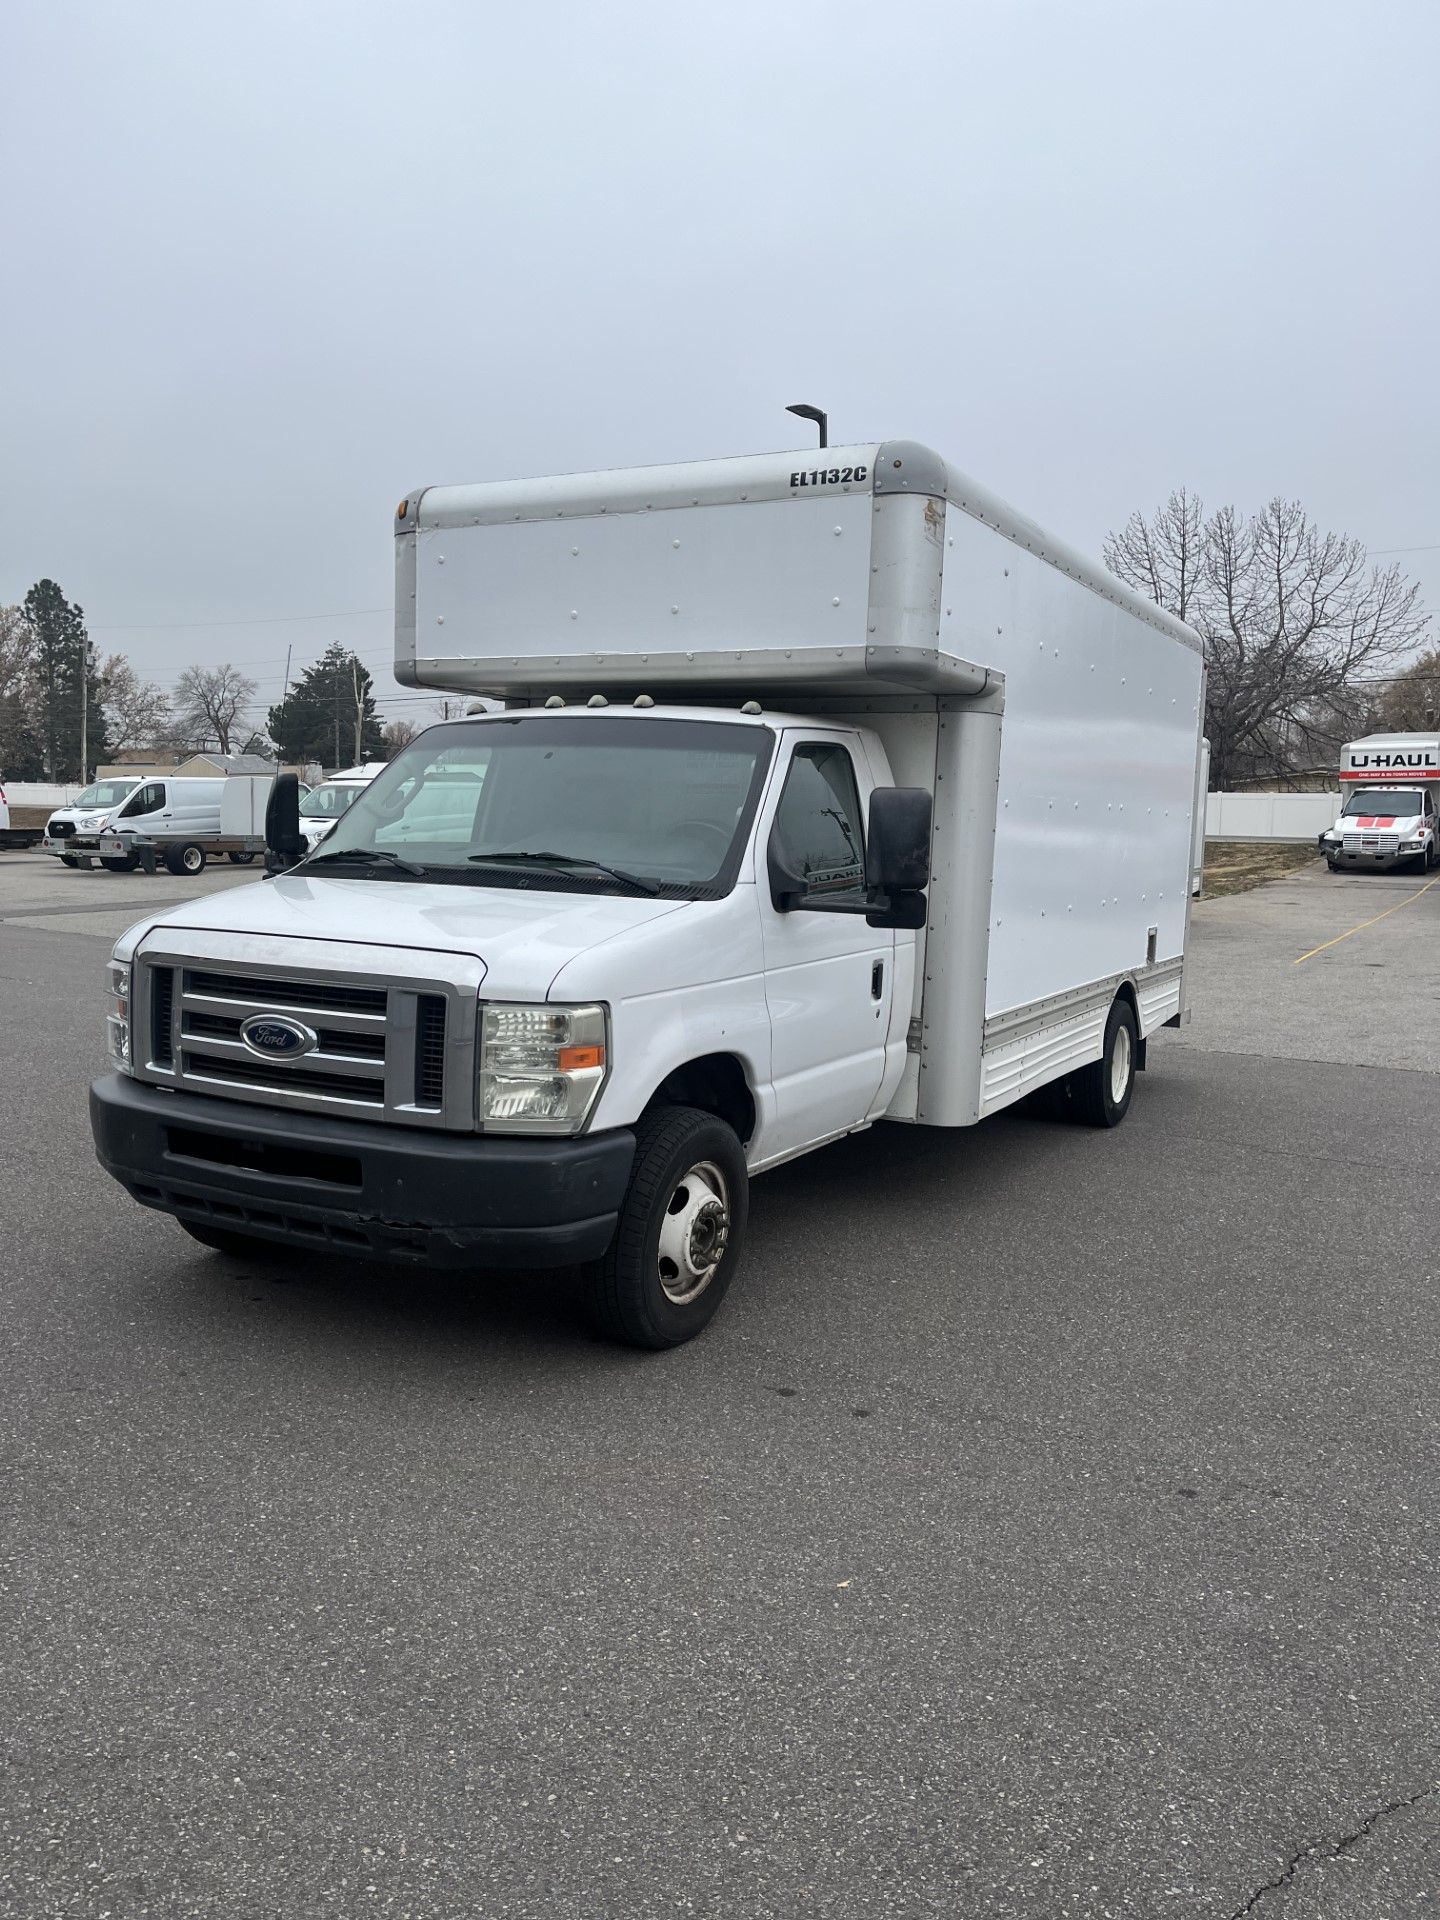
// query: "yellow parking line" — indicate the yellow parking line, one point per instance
point(1370, 923)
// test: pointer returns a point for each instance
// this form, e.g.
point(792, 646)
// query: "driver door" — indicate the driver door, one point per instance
point(828, 976)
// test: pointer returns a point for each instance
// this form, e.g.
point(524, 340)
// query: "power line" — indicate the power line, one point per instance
point(1433, 548)
point(264, 620)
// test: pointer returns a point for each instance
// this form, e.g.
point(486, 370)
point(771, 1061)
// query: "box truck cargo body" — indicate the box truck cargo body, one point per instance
point(821, 795)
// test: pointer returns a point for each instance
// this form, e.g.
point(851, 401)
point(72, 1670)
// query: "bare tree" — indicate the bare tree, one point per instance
point(138, 711)
point(209, 703)
point(1295, 624)
point(397, 736)
point(19, 748)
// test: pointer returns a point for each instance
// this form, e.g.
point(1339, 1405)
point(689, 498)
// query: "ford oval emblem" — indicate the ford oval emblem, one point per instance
point(274, 1036)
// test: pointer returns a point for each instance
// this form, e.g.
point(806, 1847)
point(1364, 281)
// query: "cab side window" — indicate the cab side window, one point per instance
point(146, 800)
point(818, 835)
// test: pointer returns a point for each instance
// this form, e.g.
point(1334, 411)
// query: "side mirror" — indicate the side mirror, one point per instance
point(284, 842)
point(897, 857)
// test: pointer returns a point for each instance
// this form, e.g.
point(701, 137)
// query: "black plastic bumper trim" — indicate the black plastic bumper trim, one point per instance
point(425, 1198)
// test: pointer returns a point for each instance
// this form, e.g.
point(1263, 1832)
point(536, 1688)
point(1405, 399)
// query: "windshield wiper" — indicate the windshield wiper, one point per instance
point(367, 854)
point(570, 860)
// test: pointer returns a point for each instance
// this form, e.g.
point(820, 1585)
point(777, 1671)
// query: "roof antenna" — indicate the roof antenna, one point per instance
point(822, 420)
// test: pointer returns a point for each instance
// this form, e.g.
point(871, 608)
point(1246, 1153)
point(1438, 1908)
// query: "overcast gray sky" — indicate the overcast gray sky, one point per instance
point(270, 266)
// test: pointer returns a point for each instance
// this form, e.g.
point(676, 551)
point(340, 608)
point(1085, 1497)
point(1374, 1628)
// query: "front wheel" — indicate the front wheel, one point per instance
point(1101, 1093)
point(678, 1240)
point(240, 859)
point(120, 862)
point(69, 860)
point(186, 858)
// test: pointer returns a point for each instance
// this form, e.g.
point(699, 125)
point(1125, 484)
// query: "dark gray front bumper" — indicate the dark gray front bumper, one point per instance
point(383, 1193)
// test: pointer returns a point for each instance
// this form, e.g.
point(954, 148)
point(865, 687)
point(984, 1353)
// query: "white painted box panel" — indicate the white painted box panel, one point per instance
point(1097, 768)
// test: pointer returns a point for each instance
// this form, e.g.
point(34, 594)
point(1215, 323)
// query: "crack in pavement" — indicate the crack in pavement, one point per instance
point(1327, 1849)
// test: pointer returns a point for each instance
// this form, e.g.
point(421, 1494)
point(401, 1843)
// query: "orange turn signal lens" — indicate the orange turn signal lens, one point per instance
point(402, 509)
point(571, 1058)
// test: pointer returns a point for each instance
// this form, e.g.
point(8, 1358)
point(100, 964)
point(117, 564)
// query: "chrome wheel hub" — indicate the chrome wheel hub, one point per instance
point(694, 1233)
point(1120, 1065)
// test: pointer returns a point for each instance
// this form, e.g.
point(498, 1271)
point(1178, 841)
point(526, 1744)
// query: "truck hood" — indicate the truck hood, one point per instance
point(521, 936)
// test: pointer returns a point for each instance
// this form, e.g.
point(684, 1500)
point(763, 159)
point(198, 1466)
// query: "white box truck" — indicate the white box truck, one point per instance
point(823, 795)
point(1388, 811)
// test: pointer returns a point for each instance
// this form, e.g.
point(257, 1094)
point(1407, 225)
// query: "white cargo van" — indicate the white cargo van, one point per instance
point(825, 794)
point(187, 809)
point(323, 805)
point(1388, 812)
point(86, 817)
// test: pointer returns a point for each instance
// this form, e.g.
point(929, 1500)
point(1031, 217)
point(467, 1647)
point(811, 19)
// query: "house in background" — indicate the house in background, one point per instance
point(206, 765)
point(138, 761)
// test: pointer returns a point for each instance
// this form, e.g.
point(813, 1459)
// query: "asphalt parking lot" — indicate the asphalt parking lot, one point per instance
point(1047, 1526)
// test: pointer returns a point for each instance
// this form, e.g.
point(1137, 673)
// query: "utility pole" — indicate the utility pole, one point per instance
point(359, 708)
point(84, 707)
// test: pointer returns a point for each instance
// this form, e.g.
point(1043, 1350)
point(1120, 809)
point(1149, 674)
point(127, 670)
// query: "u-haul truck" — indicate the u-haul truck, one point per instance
point(1389, 783)
point(825, 793)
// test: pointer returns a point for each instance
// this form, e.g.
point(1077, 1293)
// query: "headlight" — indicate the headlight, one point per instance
point(541, 1068)
point(117, 1020)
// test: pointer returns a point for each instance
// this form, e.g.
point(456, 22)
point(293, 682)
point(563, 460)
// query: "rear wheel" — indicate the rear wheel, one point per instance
point(1100, 1094)
point(120, 862)
point(185, 858)
point(69, 860)
point(681, 1226)
point(240, 859)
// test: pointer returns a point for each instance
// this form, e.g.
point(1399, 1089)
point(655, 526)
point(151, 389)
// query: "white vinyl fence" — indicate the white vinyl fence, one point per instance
point(1269, 816)
point(39, 793)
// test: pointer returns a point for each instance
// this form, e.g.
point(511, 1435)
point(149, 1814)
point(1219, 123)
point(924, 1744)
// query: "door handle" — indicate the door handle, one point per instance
point(877, 980)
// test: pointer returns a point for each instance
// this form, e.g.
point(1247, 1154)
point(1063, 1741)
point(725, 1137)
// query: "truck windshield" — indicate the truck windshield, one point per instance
point(105, 793)
point(1394, 802)
point(662, 802)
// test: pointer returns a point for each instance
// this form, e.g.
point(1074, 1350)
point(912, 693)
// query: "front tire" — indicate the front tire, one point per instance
point(682, 1223)
point(121, 862)
point(1101, 1094)
point(69, 860)
point(240, 859)
point(186, 859)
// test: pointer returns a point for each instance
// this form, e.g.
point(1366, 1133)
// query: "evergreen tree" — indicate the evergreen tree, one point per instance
point(330, 715)
point(69, 693)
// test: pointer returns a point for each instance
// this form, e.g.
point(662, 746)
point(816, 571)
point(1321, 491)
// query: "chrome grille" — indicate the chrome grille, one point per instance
point(387, 1050)
point(250, 990)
